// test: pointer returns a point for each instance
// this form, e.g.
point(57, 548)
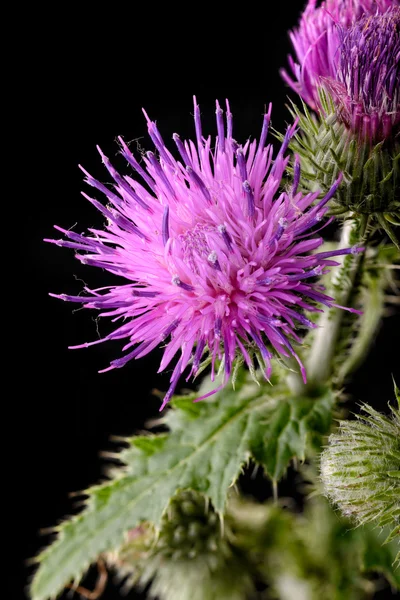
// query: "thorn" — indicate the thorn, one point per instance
point(110, 455)
point(78, 493)
point(119, 439)
point(46, 531)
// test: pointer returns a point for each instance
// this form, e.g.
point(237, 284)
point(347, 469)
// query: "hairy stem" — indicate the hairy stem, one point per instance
point(319, 364)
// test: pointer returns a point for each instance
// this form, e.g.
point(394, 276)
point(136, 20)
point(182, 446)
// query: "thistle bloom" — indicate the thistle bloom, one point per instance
point(217, 259)
point(367, 90)
point(353, 49)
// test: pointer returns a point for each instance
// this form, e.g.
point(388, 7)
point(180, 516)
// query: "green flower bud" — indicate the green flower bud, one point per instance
point(371, 171)
point(360, 469)
point(193, 556)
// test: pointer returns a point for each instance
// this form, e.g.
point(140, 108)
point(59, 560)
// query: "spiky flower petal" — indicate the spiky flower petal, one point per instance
point(217, 258)
point(360, 469)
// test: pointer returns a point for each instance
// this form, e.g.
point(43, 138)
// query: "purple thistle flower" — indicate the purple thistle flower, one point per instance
point(217, 259)
point(367, 86)
point(318, 39)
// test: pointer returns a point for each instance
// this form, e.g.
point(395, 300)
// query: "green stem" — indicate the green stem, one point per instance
point(319, 363)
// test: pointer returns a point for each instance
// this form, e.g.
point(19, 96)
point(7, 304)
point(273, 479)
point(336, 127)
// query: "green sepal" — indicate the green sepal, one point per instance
point(371, 171)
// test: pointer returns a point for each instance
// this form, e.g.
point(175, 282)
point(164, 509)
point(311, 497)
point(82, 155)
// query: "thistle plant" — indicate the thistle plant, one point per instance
point(221, 261)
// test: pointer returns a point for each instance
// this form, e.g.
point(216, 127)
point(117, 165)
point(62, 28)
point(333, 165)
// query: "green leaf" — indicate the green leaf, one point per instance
point(288, 427)
point(205, 450)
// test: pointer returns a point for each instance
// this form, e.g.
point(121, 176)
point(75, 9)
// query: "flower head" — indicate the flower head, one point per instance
point(318, 39)
point(216, 257)
point(367, 87)
point(348, 70)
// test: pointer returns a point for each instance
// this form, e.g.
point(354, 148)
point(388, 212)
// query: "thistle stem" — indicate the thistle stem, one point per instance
point(319, 364)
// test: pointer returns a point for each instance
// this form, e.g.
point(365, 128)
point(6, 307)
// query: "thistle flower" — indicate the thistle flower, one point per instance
point(318, 39)
point(360, 469)
point(350, 74)
point(217, 259)
point(366, 90)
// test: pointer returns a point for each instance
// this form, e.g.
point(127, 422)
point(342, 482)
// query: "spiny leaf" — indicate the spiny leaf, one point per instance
point(205, 450)
point(287, 429)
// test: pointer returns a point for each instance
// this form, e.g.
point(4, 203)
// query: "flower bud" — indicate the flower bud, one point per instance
point(192, 557)
point(371, 170)
point(360, 469)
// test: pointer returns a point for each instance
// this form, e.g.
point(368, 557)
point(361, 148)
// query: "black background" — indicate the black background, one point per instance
point(82, 79)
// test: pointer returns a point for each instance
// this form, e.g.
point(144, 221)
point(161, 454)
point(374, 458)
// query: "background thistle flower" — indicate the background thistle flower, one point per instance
point(366, 88)
point(354, 86)
point(317, 39)
point(192, 557)
point(360, 469)
point(217, 260)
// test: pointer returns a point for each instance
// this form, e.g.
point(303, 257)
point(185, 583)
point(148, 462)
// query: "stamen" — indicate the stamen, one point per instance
point(185, 286)
point(229, 120)
point(353, 250)
point(170, 329)
point(220, 127)
point(154, 162)
point(127, 154)
point(250, 199)
point(265, 281)
point(181, 149)
point(241, 162)
point(282, 224)
point(331, 192)
point(264, 130)
point(198, 354)
point(213, 259)
point(217, 328)
point(165, 225)
point(197, 123)
point(227, 238)
point(144, 294)
point(99, 186)
point(158, 141)
point(174, 380)
point(199, 182)
point(296, 175)
point(121, 181)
